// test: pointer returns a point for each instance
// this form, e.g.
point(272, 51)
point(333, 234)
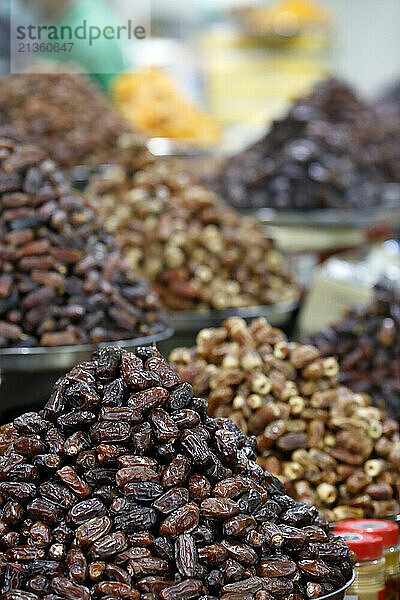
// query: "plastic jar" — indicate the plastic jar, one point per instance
point(369, 583)
point(389, 532)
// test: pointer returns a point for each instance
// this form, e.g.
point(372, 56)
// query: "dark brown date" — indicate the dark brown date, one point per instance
point(240, 552)
point(186, 590)
point(123, 503)
point(148, 399)
point(181, 520)
point(171, 500)
point(219, 508)
point(186, 555)
point(108, 545)
point(277, 567)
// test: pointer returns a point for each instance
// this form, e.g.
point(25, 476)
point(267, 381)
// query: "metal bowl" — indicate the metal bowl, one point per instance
point(339, 594)
point(194, 320)
point(330, 218)
point(44, 359)
point(307, 237)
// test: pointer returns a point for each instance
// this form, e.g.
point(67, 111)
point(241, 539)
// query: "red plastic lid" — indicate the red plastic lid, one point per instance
point(366, 546)
point(387, 530)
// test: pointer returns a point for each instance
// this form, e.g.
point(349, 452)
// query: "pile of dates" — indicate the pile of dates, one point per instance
point(327, 444)
point(123, 487)
point(367, 344)
point(62, 277)
point(198, 253)
point(391, 97)
point(68, 117)
point(331, 150)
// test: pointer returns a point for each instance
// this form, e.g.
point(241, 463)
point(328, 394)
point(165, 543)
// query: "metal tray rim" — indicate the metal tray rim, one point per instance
point(23, 358)
point(198, 318)
point(45, 350)
point(327, 218)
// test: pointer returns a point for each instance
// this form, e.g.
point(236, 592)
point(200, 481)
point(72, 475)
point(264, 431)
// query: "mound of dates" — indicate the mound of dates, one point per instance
point(367, 344)
point(63, 280)
point(331, 150)
point(123, 487)
point(68, 117)
point(326, 443)
point(198, 253)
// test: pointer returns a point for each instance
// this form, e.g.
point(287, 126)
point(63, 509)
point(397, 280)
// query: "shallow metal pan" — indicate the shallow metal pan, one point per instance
point(45, 359)
point(328, 218)
point(194, 320)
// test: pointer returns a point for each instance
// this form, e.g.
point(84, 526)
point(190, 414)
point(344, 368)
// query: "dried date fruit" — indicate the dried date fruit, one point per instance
point(176, 472)
point(69, 476)
point(92, 530)
point(164, 427)
point(69, 284)
point(136, 515)
point(67, 589)
point(296, 165)
point(365, 342)
point(108, 545)
point(44, 108)
point(241, 552)
point(145, 490)
point(46, 511)
point(181, 520)
point(77, 566)
point(240, 525)
point(327, 444)
point(219, 508)
point(277, 567)
point(171, 500)
point(218, 260)
point(87, 509)
point(186, 590)
point(186, 555)
point(136, 519)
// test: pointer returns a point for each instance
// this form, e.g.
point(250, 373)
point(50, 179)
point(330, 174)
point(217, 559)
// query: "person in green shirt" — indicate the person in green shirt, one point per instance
point(103, 57)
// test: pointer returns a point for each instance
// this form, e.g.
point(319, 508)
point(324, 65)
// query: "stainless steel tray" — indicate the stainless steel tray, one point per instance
point(339, 594)
point(392, 518)
point(163, 146)
point(44, 359)
point(328, 218)
point(194, 320)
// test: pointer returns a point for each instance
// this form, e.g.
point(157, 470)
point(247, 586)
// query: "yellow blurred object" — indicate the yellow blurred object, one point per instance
point(250, 83)
point(284, 18)
point(149, 100)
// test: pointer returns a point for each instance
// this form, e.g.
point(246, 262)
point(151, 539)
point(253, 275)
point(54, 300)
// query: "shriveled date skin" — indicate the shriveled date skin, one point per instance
point(63, 280)
point(162, 503)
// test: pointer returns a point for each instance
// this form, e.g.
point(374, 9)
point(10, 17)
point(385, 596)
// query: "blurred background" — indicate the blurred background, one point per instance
point(244, 61)
point(288, 109)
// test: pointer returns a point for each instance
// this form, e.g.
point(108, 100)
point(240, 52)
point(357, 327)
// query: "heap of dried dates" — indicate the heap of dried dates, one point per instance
point(62, 278)
point(367, 344)
point(327, 444)
point(123, 487)
point(68, 117)
point(331, 150)
point(198, 253)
